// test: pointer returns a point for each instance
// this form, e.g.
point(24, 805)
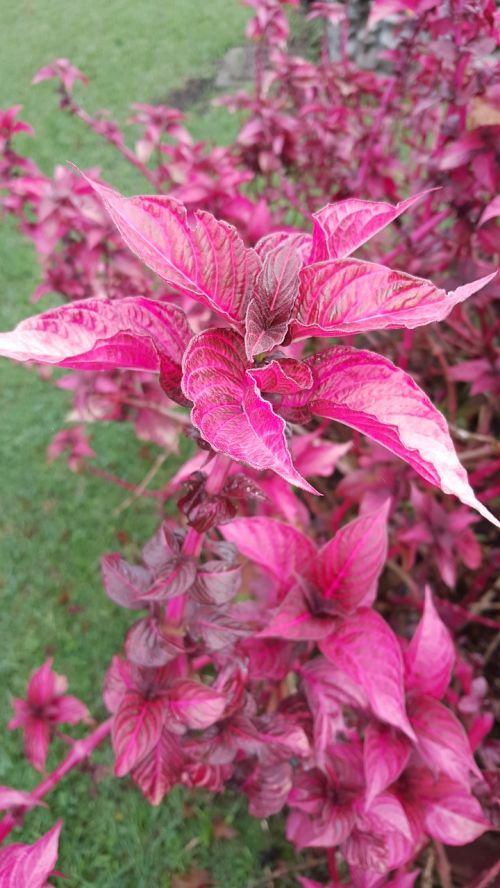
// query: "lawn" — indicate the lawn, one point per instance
point(54, 525)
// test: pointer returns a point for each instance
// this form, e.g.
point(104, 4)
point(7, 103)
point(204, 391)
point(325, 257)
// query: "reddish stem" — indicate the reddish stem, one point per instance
point(108, 476)
point(80, 751)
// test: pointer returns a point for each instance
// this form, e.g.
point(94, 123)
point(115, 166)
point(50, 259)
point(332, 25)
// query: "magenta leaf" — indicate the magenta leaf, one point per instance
point(349, 296)
point(298, 618)
point(348, 567)
point(452, 815)
point(368, 393)
point(228, 409)
point(267, 789)
point(124, 583)
point(16, 798)
point(386, 753)
point(132, 333)
point(366, 649)
point(442, 741)
point(29, 866)
point(136, 729)
point(161, 769)
point(146, 644)
point(342, 227)
point(217, 582)
point(279, 548)
point(194, 705)
point(207, 261)
point(285, 376)
point(270, 308)
point(430, 656)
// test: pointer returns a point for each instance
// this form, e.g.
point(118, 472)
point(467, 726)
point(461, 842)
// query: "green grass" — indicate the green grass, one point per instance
point(54, 525)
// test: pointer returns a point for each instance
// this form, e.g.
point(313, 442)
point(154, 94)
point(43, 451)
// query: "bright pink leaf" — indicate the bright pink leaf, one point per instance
point(269, 310)
point(342, 227)
point(452, 815)
point(161, 769)
point(297, 618)
point(386, 753)
point(132, 333)
point(194, 705)
point(366, 649)
point(349, 296)
point(285, 376)
point(228, 409)
point(29, 866)
point(279, 548)
point(136, 729)
point(430, 656)
point(442, 741)
point(207, 261)
point(16, 798)
point(367, 392)
point(348, 567)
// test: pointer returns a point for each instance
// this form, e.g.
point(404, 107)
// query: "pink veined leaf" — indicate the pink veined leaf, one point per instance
point(285, 376)
point(386, 752)
point(207, 261)
point(161, 769)
point(217, 582)
point(350, 296)
point(270, 308)
point(124, 583)
point(268, 788)
point(295, 619)
point(279, 548)
point(118, 680)
point(342, 227)
point(366, 649)
point(194, 705)
point(367, 392)
point(136, 729)
point(430, 656)
point(147, 645)
point(492, 211)
point(228, 409)
point(133, 333)
point(382, 838)
point(442, 741)
point(348, 567)
point(29, 866)
point(296, 240)
point(17, 798)
point(452, 815)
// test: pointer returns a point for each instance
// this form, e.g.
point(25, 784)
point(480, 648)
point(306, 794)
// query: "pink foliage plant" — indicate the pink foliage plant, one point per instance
point(276, 649)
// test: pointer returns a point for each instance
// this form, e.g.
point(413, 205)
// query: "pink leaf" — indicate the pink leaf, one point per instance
point(296, 619)
point(161, 769)
point(228, 409)
point(442, 741)
point(132, 333)
point(348, 567)
point(270, 309)
point(279, 548)
point(452, 815)
point(136, 729)
point(349, 296)
point(147, 645)
point(217, 582)
point(124, 583)
point(285, 376)
point(340, 228)
point(430, 656)
point(386, 753)
point(194, 705)
point(366, 649)
point(367, 392)
point(16, 798)
point(29, 866)
point(207, 261)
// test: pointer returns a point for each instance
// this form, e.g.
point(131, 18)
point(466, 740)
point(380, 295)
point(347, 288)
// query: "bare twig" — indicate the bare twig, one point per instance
point(140, 490)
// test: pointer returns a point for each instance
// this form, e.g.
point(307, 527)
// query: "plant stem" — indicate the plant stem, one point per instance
point(81, 750)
